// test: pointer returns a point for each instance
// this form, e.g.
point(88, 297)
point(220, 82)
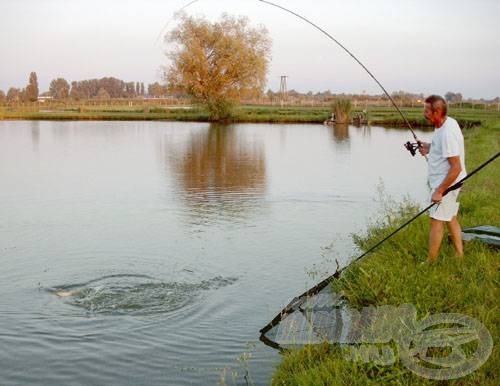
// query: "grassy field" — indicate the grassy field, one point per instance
point(397, 273)
point(386, 116)
point(105, 113)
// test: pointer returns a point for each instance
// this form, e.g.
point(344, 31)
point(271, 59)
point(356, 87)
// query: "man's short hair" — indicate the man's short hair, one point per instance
point(437, 103)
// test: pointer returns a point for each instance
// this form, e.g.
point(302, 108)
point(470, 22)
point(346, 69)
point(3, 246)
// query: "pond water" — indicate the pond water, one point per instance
point(153, 252)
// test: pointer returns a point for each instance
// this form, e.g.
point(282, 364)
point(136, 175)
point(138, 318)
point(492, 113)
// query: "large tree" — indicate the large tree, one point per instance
point(218, 63)
point(59, 88)
point(32, 88)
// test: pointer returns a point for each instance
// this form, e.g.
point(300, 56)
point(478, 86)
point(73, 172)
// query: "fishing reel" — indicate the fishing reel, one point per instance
point(412, 147)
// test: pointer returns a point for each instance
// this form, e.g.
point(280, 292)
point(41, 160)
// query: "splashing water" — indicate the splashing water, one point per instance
point(135, 294)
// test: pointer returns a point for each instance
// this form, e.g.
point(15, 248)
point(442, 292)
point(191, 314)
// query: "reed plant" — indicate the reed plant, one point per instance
point(342, 108)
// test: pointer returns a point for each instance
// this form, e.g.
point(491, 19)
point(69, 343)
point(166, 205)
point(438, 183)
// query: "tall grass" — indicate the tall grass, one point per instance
point(398, 273)
point(342, 109)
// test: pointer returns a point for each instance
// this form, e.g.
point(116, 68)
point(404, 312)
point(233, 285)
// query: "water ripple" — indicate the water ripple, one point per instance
point(122, 294)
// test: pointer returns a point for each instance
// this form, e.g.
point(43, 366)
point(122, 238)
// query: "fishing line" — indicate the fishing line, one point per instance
point(171, 18)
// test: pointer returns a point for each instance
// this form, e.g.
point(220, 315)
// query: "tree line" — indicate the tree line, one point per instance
point(110, 87)
point(103, 88)
point(27, 94)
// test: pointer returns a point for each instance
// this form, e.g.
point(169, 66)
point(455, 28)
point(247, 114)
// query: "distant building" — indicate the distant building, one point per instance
point(43, 97)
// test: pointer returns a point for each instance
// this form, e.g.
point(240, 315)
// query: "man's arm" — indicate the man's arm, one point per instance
point(451, 176)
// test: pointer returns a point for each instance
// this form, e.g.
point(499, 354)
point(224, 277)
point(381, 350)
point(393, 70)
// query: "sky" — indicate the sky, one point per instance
point(420, 46)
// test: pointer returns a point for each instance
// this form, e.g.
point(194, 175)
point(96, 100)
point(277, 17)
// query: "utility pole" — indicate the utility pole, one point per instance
point(283, 89)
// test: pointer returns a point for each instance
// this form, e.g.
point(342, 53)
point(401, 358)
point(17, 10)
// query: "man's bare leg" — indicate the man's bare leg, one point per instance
point(435, 238)
point(456, 236)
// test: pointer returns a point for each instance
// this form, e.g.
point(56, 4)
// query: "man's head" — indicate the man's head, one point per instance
point(435, 110)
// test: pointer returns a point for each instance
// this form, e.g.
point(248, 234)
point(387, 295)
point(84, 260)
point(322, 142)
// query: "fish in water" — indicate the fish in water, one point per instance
point(62, 293)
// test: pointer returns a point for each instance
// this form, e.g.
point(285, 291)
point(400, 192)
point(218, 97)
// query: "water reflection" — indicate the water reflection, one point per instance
point(35, 134)
point(340, 132)
point(220, 172)
point(340, 136)
point(366, 132)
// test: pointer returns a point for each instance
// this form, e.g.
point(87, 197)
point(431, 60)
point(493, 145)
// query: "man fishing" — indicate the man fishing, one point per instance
point(446, 166)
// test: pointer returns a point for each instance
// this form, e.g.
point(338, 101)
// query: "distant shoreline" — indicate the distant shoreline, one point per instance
point(383, 116)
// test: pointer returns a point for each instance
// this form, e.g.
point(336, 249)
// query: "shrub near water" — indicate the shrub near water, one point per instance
point(342, 110)
point(398, 273)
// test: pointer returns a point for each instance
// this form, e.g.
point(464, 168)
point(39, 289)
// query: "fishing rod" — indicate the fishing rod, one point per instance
point(297, 302)
point(411, 147)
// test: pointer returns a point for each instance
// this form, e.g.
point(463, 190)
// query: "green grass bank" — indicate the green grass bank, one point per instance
point(397, 273)
point(385, 116)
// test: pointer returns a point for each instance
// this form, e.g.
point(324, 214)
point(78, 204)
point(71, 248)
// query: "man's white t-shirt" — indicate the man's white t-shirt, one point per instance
point(447, 141)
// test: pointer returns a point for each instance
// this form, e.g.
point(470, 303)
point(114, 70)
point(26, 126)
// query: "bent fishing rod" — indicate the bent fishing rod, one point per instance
point(297, 302)
point(409, 146)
